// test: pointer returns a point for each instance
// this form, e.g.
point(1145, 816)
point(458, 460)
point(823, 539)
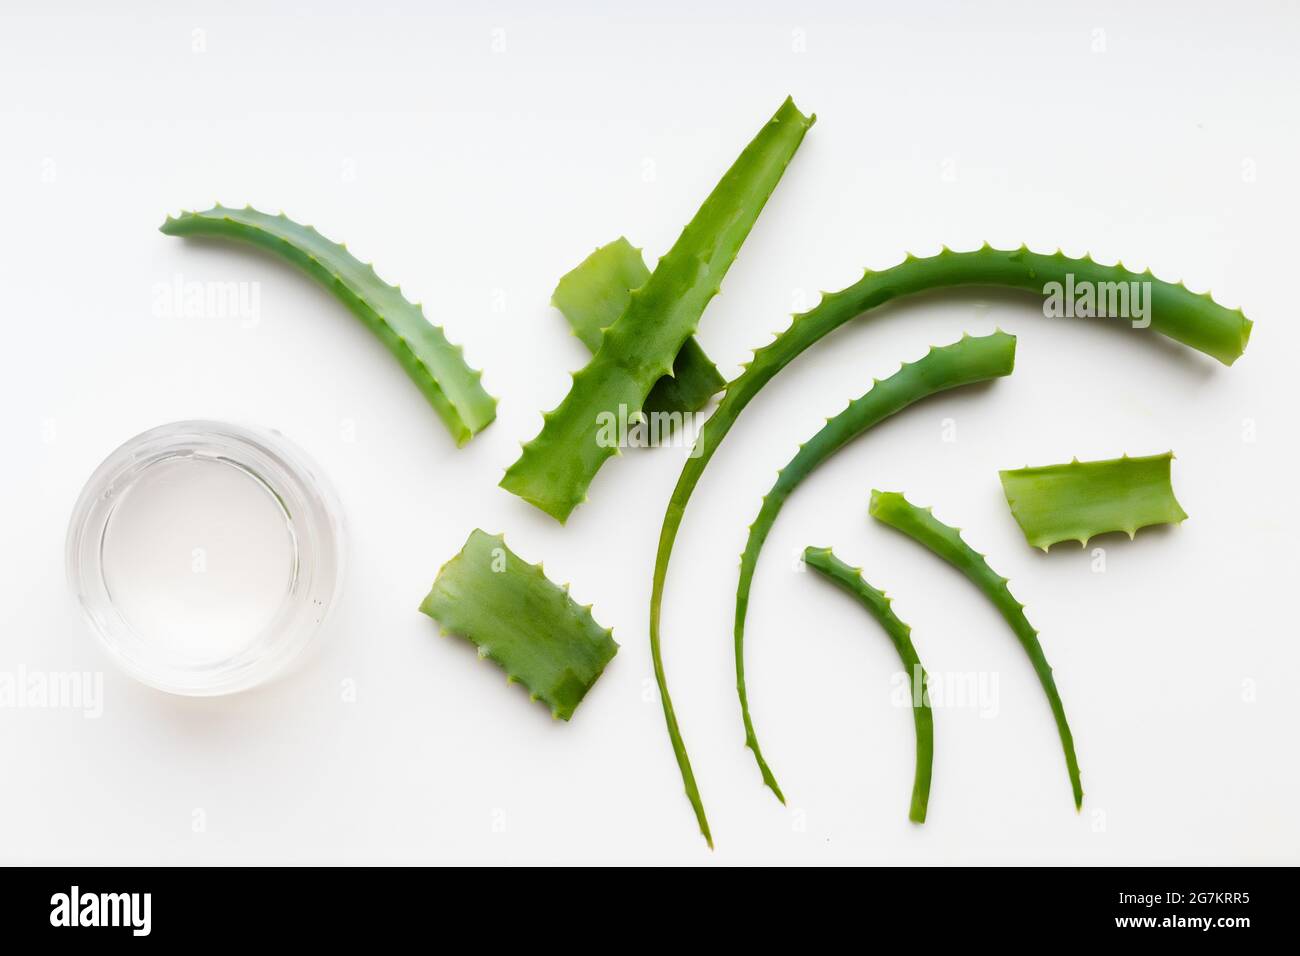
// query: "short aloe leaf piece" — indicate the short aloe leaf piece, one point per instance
point(824, 561)
point(519, 619)
point(1074, 501)
point(1192, 318)
point(594, 294)
point(922, 526)
point(965, 362)
point(436, 366)
point(557, 466)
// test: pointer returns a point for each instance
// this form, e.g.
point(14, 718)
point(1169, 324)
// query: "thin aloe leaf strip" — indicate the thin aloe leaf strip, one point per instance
point(922, 526)
point(595, 293)
point(436, 366)
point(1080, 499)
point(964, 362)
point(518, 618)
point(1188, 317)
point(556, 467)
point(879, 606)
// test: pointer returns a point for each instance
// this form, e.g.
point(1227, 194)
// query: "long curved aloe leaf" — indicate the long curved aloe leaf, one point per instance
point(1188, 317)
point(433, 363)
point(636, 351)
point(824, 561)
point(1074, 501)
point(519, 619)
point(921, 525)
point(595, 293)
point(964, 362)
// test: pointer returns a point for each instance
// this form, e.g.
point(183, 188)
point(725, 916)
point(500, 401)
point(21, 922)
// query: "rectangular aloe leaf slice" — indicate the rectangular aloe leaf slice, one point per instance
point(594, 294)
point(1079, 499)
point(519, 619)
point(557, 466)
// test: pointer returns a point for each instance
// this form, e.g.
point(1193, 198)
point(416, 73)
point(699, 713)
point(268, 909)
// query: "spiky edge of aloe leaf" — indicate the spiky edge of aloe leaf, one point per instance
point(1188, 317)
point(517, 617)
point(878, 604)
point(436, 366)
point(1079, 499)
point(920, 524)
point(556, 467)
point(964, 362)
point(591, 297)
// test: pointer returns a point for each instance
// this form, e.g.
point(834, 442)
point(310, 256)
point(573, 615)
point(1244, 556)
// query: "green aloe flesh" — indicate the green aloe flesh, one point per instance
point(965, 362)
point(1079, 499)
point(1188, 317)
point(922, 526)
point(556, 467)
point(594, 294)
point(516, 617)
point(436, 366)
point(824, 561)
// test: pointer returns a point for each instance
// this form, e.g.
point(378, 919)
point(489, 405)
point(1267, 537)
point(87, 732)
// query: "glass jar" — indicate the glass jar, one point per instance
point(205, 555)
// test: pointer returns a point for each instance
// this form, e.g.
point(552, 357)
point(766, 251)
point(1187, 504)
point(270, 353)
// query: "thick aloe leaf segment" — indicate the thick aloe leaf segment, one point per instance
point(518, 618)
point(636, 351)
point(1190, 318)
point(965, 362)
point(433, 363)
point(921, 525)
point(824, 561)
point(593, 296)
point(1074, 501)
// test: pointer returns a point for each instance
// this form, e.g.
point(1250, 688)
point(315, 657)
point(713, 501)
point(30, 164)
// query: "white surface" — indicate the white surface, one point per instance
point(475, 158)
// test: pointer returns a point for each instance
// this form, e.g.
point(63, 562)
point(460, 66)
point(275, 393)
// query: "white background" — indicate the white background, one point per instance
point(475, 157)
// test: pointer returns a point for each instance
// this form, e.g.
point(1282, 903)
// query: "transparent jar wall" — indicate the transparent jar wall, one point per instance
point(208, 479)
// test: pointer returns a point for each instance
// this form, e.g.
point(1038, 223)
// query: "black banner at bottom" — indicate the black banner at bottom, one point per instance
point(210, 905)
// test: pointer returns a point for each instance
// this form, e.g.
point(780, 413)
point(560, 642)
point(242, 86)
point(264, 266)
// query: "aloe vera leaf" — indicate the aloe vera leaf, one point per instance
point(435, 365)
point(922, 526)
point(636, 351)
point(593, 295)
point(1188, 317)
point(824, 561)
point(964, 362)
point(1074, 501)
point(516, 617)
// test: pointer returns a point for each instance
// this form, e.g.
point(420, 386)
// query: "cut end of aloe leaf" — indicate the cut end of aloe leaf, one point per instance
point(521, 484)
point(1246, 326)
point(883, 502)
point(807, 119)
